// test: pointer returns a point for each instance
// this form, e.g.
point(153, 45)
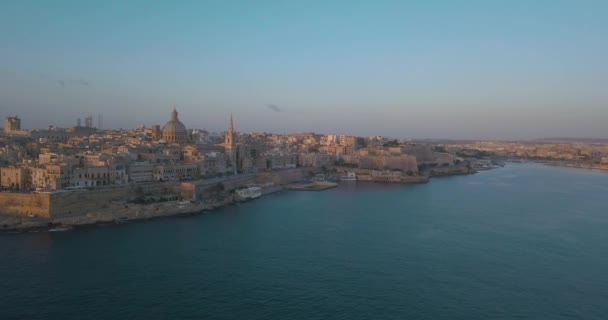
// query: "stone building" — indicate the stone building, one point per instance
point(212, 164)
point(52, 134)
point(13, 178)
point(176, 171)
point(386, 175)
point(156, 133)
point(47, 177)
point(404, 163)
point(12, 124)
point(141, 172)
point(316, 160)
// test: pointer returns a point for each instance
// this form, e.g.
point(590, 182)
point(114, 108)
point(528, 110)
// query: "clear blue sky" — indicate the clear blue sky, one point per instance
point(419, 69)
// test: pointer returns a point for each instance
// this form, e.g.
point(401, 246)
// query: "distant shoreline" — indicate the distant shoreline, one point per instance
point(562, 164)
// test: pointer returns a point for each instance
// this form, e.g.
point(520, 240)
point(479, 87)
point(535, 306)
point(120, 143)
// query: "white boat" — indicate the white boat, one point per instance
point(318, 177)
point(350, 176)
point(59, 229)
point(249, 193)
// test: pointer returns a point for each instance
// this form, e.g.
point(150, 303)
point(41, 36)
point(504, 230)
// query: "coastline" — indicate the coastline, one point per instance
point(575, 165)
point(563, 164)
point(121, 213)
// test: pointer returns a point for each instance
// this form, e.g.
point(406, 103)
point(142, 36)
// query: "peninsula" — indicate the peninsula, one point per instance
point(64, 177)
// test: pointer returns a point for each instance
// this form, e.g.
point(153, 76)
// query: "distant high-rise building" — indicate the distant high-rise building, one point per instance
point(12, 124)
point(79, 123)
point(88, 121)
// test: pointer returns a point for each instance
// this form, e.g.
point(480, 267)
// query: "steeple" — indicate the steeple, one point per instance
point(229, 138)
point(231, 125)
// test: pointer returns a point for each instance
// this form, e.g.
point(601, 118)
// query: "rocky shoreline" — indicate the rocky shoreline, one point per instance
point(576, 165)
point(121, 213)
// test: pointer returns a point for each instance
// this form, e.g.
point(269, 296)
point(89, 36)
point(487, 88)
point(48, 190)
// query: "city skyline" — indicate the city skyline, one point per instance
point(512, 71)
point(92, 122)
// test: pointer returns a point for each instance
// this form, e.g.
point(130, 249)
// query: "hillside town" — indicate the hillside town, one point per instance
point(579, 153)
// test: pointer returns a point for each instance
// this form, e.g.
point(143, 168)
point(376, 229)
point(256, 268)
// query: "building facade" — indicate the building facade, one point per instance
point(12, 124)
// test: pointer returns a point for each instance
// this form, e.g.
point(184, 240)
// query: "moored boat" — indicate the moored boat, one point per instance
point(249, 193)
point(350, 176)
point(59, 229)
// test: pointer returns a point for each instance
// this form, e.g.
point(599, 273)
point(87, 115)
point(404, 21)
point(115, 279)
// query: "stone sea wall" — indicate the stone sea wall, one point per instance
point(25, 204)
point(286, 176)
point(114, 204)
point(81, 202)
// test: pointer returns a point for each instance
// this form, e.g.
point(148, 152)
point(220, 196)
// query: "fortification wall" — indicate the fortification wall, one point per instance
point(206, 189)
point(25, 204)
point(235, 183)
point(81, 202)
point(286, 176)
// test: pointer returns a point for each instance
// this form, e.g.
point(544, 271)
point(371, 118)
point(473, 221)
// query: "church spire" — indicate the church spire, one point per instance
point(231, 125)
point(229, 139)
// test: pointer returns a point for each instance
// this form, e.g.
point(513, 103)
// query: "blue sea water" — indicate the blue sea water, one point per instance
point(523, 242)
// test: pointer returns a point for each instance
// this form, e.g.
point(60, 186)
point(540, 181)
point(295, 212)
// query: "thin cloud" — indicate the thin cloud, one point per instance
point(274, 108)
point(72, 82)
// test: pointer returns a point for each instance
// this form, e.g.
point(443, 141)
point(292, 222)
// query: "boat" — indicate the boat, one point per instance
point(59, 229)
point(249, 193)
point(350, 176)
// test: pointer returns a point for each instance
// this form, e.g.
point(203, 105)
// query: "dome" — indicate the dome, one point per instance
point(174, 131)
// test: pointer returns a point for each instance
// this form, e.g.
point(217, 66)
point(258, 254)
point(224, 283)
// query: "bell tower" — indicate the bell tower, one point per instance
point(230, 145)
point(229, 138)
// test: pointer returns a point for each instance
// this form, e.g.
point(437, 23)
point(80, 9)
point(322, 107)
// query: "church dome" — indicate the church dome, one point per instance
point(174, 131)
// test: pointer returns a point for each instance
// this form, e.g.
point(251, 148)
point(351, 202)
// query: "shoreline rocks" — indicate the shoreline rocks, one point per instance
point(120, 213)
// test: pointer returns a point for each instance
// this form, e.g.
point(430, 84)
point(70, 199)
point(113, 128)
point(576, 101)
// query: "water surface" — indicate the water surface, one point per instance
point(522, 242)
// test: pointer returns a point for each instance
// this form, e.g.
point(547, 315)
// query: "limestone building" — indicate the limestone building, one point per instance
point(12, 124)
point(156, 133)
point(12, 178)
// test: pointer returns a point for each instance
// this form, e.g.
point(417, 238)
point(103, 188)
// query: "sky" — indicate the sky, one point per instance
point(408, 69)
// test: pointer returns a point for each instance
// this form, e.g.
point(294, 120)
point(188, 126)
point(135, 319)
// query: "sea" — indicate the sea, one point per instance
point(526, 241)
